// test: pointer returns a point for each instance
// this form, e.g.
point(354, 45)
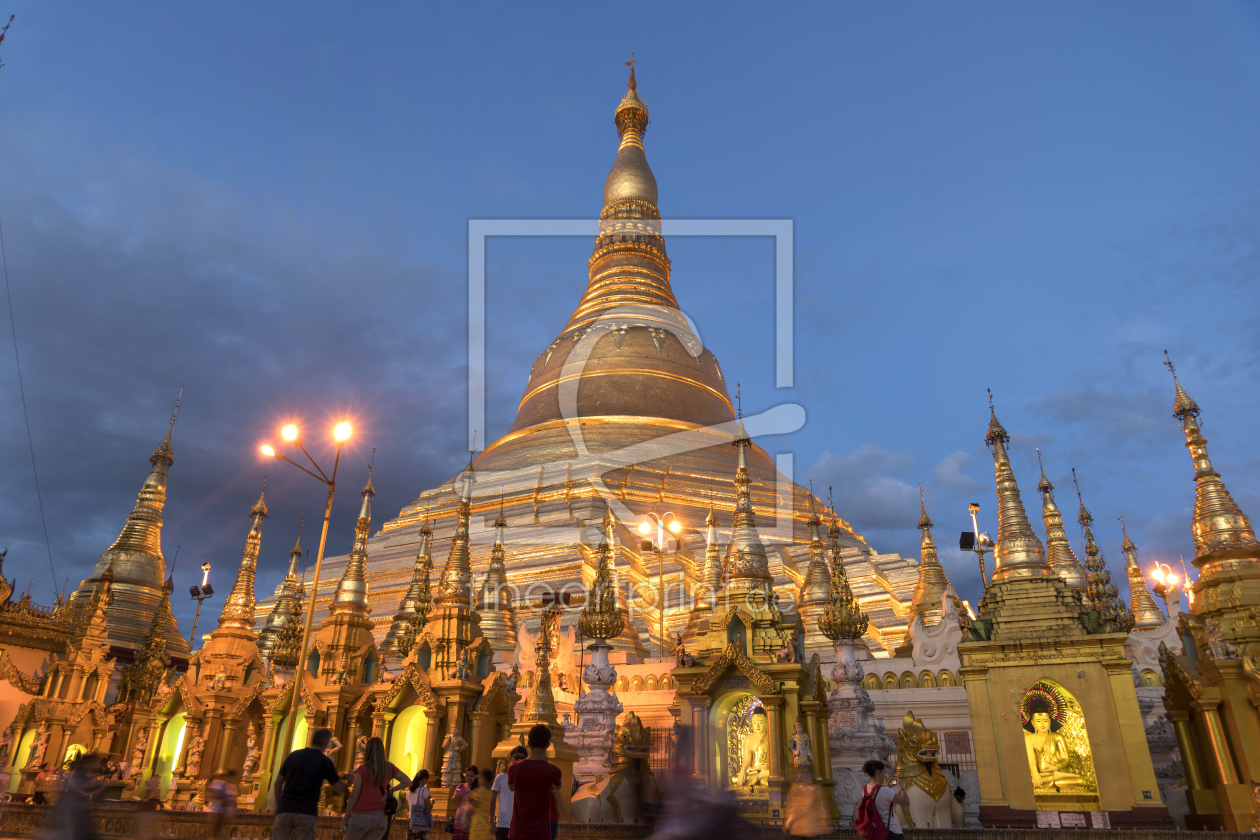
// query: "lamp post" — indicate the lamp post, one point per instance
point(1164, 581)
point(980, 546)
point(341, 433)
point(669, 520)
point(199, 594)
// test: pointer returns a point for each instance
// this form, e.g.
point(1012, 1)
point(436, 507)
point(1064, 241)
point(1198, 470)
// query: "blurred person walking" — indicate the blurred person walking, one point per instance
point(222, 793)
point(461, 796)
point(482, 827)
point(298, 784)
point(535, 786)
point(74, 808)
point(368, 810)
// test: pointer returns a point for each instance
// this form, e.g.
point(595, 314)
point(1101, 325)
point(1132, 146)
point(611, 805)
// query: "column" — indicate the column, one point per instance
point(226, 735)
point(700, 741)
point(1189, 754)
point(432, 739)
point(774, 711)
point(1220, 747)
point(810, 708)
point(474, 740)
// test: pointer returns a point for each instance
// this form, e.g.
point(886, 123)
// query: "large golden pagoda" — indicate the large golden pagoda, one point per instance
point(625, 409)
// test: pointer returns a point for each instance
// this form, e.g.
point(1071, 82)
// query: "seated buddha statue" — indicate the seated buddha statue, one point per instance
point(1048, 757)
point(754, 765)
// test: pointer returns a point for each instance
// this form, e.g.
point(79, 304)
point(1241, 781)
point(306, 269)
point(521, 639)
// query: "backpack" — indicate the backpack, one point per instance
point(421, 817)
point(868, 823)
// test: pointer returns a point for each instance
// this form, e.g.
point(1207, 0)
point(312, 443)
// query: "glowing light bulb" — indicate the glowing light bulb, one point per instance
point(289, 433)
point(267, 450)
point(1158, 574)
point(675, 527)
point(1171, 580)
point(645, 528)
point(342, 431)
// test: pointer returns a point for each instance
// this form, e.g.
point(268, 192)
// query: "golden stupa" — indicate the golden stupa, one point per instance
point(625, 409)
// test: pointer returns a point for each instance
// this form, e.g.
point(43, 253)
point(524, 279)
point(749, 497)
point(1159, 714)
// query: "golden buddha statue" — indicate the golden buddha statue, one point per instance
point(754, 763)
point(1048, 757)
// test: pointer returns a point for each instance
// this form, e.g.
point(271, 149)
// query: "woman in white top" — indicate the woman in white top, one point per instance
point(887, 794)
point(418, 794)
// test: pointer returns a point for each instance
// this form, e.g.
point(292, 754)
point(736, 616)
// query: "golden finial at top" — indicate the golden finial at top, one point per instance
point(1083, 516)
point(163, 451)
point(260, 506)
point(1183, 406)
point(630, 64)
point(924, 520)
point(996, 429)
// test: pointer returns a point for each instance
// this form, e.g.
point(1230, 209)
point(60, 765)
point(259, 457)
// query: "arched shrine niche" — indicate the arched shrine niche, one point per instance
point(1060, 760)
point(737, 730)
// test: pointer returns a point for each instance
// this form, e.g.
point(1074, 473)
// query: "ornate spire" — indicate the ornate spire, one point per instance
point(1141, 604)
point(456, 582)
point(932, 583)
point(494, 601)
point(413, 609)
point(746, 565)
point(541, 705)
point(1100, 592)
point(842, 620)
point(1058, 550)
point(601, 616)
point(139, 567)
point(288, 603)
point(712, 558)
point(351, 595)
point(815, 588)
point(1219, 524)
point(238, 608)
point(1017, 552)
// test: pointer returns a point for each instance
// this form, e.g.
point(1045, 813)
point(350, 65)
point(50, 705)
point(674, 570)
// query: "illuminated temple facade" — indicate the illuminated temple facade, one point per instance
point(789, 649)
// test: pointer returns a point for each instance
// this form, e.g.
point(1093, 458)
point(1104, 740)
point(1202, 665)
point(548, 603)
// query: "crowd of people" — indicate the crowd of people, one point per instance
point(519, 802)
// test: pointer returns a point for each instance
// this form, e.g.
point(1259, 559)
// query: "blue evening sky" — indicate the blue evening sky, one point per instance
point(268, 203)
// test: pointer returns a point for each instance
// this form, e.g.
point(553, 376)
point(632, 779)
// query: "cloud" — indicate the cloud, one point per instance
point(866, 488)
point(949, 473)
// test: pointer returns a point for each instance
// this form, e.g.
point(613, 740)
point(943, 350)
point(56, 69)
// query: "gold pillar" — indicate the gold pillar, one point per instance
point(774, 710)
point(700, 741)
point(1216, 736)
point(226, 734)
point(1189, 754)
point(432, 739)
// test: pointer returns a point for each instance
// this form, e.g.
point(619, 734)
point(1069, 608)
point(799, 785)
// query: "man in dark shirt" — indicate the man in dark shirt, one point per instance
point(535, 783)
point(297, 789)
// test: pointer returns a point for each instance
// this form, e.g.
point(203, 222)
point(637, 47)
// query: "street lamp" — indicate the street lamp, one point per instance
point(669, 520)
point(1164, 581)
point(199, 594)
point(290, 432)
point(980, 546)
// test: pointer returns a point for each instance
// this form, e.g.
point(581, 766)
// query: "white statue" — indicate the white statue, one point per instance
point(525, 655)
point(252, 754)
point(802, 754)
point(453, 769)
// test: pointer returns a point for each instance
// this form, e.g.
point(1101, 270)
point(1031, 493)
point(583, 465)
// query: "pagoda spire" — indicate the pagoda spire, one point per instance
point(351, 595)
point(1219, 524)
point(136, 556)
point(746, 566)
point(815, 588)
point(601, 617)
point(237, 615)
point(1100, 592)
point(1059, 551)
point(712, 559)
point(1146, 613)
point(494, 600)
point(287, 604)
point(843, 620)
point(933, 583)
point(1018, 552)
point(456, 581)
point(413, 609)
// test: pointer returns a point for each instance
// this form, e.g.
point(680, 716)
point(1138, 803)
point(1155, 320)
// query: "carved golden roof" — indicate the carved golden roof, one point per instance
point(1017, 552)
point(25, 624)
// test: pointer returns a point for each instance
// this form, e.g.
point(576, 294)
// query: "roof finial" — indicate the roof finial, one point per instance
point(830, 504)
point(925, 521)
point(630, 64)
point(739, 403)
point(996, 430)
point(473, 451)
point(1183, 406)
point(1084, 516)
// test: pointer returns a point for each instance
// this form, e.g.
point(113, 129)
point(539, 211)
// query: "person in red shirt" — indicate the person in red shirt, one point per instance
point(535, 785)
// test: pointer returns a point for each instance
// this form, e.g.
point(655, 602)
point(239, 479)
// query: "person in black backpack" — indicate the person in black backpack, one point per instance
point(883, 796)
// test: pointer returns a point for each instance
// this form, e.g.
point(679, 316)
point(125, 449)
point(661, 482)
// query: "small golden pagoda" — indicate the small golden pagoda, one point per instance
point(1059, 552)
point(413, 609)
point(754, 715)
point(1212, 693)
point(1046, 680)
point(929, 592)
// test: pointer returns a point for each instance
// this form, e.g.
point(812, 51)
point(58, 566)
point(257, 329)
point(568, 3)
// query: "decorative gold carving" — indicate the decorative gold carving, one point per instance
point(9, 671)
point(733, 656)
point(1059, 756)
point(917, 753)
